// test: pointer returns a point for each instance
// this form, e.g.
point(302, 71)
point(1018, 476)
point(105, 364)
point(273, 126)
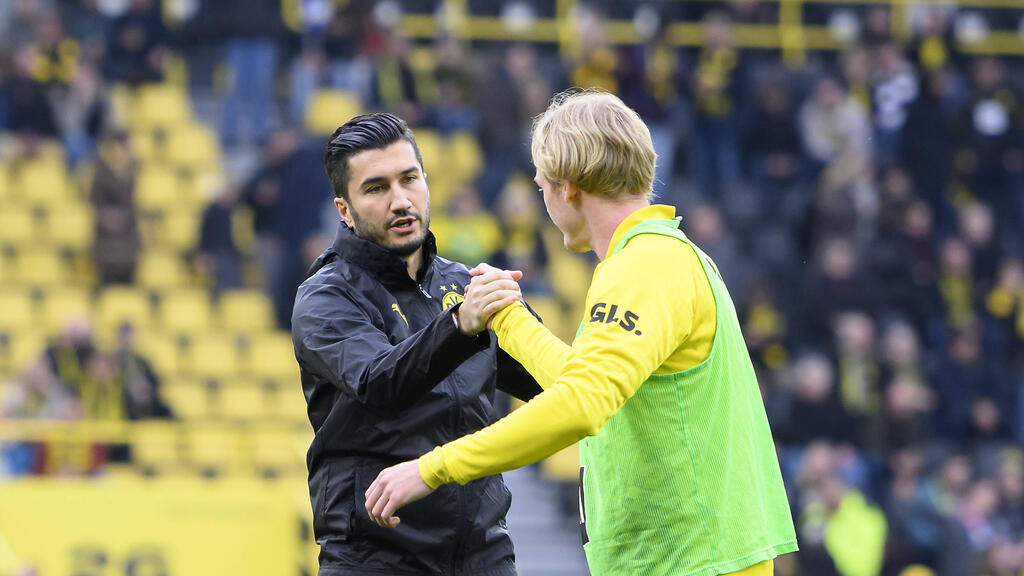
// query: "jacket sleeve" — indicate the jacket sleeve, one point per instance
point(514, 380)
point(337, 340)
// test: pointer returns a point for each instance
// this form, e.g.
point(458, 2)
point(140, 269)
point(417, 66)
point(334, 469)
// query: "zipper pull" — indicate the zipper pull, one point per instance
point(425, 293)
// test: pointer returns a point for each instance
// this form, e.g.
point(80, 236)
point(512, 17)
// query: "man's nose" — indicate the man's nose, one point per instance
point(400, 200)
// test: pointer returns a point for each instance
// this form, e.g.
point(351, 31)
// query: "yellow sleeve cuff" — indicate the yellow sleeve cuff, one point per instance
point(498, 320)
point(432, 468)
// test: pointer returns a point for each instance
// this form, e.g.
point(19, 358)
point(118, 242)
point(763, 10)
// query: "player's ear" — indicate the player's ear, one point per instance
point(344, 211)
point(571, 191)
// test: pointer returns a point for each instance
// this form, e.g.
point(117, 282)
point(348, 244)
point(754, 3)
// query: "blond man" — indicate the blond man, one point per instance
point(678, 472)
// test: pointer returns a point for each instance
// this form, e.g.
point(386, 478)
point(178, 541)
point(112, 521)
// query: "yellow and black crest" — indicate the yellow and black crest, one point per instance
point(452, 296)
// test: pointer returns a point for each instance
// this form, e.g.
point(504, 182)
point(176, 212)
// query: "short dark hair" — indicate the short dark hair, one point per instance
point(366, 132)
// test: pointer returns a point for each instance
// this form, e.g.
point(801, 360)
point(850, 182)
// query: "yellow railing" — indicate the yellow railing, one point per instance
point(789, 35)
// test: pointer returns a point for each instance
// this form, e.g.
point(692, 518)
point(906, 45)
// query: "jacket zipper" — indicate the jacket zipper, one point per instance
point(459, 491)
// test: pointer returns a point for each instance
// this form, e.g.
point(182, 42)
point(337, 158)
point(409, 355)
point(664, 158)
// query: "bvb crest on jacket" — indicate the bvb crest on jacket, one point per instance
point(451, 297)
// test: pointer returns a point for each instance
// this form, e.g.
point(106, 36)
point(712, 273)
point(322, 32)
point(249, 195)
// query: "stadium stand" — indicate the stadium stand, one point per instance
point(856, 170)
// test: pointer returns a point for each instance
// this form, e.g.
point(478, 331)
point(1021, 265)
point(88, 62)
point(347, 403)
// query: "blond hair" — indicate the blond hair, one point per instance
point(589, 137)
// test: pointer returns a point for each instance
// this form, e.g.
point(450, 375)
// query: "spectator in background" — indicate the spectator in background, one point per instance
point(71, 86)
point(928, 144)
point(717, 96)
point(251, 30)
point(652, 77)
point(137, 48)
point(771, 145)
point(68, 359)
point(705, 226)
point(395, 87)
point(522, 246)
point(815, 412)
point(466, 232)
point(331, 55)
point(262, 194)
point(836, 135)
point(1010, 483)
point(455, 85)
point(505, 115)
point(956, 284)
point(87, 25)
point(18, 29)
point(30, 113)
point(991, 127)
point(858, 375)
point(834, 286)
point(1005, 312)
point(975, 399)
point(112, 194)
point(894, 88)
point(304, 194)
point(140, 384)
point(977, 228)
point(218, 257)
point(855, 67)
point(593, 62)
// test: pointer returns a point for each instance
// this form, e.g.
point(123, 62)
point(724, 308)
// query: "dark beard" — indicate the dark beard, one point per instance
point(379, 237)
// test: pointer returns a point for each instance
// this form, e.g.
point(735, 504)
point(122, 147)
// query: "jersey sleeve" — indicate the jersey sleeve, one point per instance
point(542, 353)
point(639, 311)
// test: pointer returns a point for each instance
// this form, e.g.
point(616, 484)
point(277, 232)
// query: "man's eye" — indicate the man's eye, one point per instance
point(409, 178)
point(374, 189)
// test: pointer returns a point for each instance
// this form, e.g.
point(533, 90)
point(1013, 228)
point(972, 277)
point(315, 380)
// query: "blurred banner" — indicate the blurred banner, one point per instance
point(149, 528)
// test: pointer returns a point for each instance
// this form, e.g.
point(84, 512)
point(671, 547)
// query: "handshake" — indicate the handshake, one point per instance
point(491, 290)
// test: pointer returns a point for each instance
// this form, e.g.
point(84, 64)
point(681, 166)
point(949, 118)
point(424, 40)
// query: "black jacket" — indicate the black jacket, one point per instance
point(387, 377)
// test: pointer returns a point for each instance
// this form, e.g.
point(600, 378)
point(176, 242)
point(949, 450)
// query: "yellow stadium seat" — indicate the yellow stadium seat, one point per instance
point(147, 145)
point(272, 356)
point(467, 160)
point(179, 230)
point(41, 266)
point(248, 311)
point(17, 225)
point(161, 270)
point(435, 158)
point(276, 449)
point(193, 147)
point(329, 109)
point(162, 351)
point(16, 309)
point(161, 106)
point(156, 188)
point(287, 401)
point(119, 304)
point(188, 398)
point(242, 402)
point(185, 311)
point(212, 356)
point(6, 193)
point(215, 448)
point(69, 225)
point(62, 304)
point(19, 348)
point(120, 101)
point(156, 446)
point(43, 182)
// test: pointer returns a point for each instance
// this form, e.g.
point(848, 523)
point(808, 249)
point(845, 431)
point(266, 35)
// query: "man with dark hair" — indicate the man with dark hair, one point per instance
point(390, 368)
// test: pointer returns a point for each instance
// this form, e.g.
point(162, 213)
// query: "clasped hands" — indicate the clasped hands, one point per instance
point(490, 290)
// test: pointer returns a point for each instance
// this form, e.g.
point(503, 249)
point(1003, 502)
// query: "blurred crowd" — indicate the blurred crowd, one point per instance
point(865, 206)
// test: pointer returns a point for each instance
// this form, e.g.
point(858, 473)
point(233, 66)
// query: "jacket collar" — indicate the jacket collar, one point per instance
point(382, 263)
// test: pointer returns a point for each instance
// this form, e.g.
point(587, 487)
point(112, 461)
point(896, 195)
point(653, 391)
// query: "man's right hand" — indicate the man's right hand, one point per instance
point(490, 290)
